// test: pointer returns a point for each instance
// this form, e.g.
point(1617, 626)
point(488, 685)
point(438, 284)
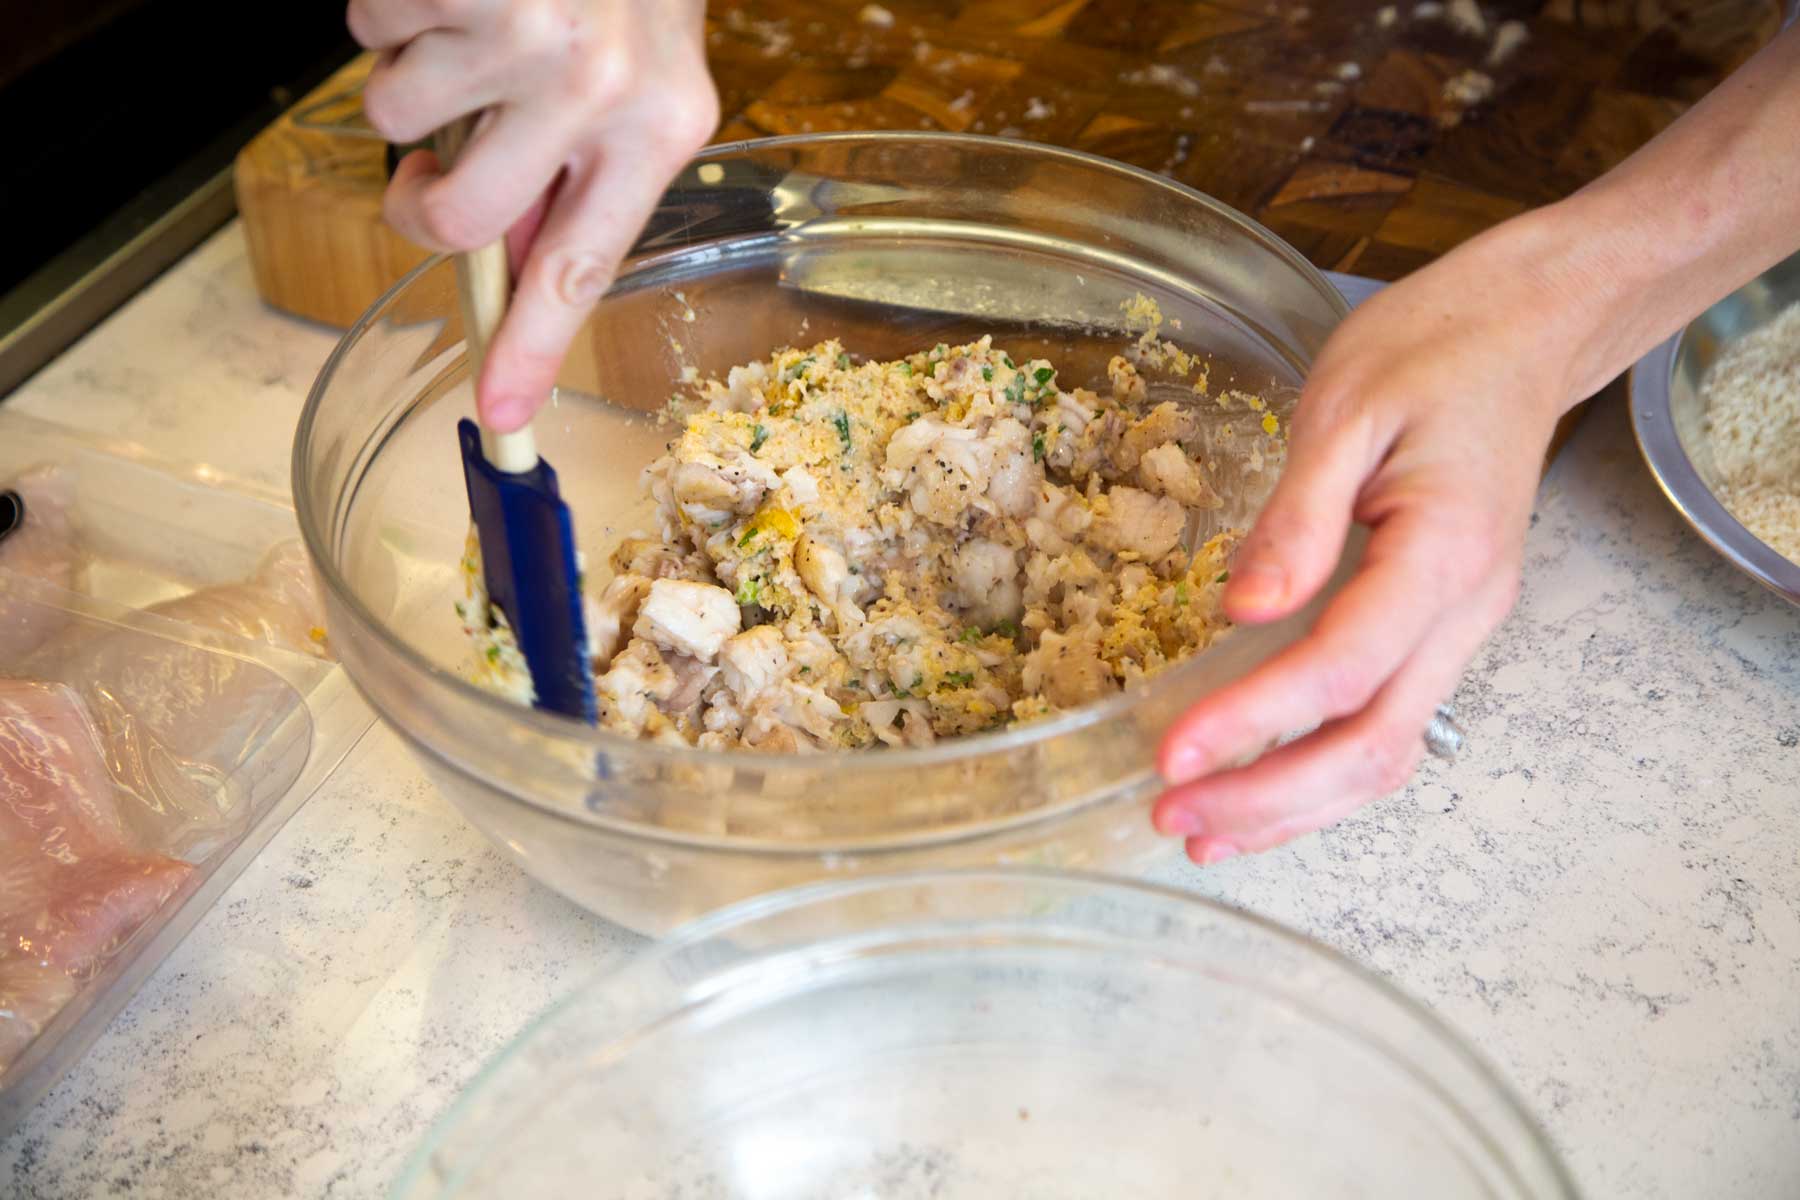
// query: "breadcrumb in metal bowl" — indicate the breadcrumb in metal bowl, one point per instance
point(880, 244)
point(1721, 448)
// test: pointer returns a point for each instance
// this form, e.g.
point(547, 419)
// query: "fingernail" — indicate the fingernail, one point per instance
point(1258, 585)
point(1177, 822)
point(583, 279)
point(1216, 852)
point(506, 411)
point(1185, 762)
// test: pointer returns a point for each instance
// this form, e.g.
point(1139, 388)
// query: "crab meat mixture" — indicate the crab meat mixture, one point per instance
point(857, 554)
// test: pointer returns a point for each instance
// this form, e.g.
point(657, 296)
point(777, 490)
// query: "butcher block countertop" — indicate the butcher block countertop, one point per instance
point(1336, 123)
point(1602, 892)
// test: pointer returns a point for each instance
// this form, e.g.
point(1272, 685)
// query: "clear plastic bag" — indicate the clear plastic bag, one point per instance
point(44, 548)
point(168, 703)
point(74, 884)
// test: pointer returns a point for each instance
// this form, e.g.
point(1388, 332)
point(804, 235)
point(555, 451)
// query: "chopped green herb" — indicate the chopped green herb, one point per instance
point(1224, 577)
point(1181, 593)
point(958, 678)
point(1037, 447)
point(1007, 359)
point(987, 373)
point(1006, 627)
point(493, 653)
point(841, 419)
point(1044, 375)
point(906, 368)
point(971, 635)
point(900, 692)
point(1015, 391)
point(749, 536)
point(843, 362)
point(938, 351)
point(798, 370)
point(806, 670)
point(758, 436)
point(461, 611)
point(749, 591)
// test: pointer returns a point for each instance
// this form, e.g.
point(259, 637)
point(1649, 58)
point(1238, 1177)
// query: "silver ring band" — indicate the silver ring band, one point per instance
point(1444, 737)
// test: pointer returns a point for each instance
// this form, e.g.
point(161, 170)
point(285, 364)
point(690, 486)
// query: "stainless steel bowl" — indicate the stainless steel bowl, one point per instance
point(1670, 419)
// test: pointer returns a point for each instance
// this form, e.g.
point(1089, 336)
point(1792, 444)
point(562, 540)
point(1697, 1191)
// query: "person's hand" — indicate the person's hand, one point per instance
point(593, 106)
point(1426, 418)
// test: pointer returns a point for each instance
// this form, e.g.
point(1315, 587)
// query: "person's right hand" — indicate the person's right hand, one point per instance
point(592, 108)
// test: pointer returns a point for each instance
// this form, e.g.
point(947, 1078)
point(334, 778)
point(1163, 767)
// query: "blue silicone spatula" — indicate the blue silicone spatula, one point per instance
point(526, 533)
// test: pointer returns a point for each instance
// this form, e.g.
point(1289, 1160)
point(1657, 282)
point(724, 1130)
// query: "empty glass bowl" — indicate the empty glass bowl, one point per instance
point(985, 1034)
point(890, 242)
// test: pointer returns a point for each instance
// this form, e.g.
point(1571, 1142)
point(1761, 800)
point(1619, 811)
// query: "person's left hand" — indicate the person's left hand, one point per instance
point(1426, 419)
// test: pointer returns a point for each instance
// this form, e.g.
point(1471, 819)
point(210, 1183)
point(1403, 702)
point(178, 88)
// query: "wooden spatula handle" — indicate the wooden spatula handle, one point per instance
point(483, 286)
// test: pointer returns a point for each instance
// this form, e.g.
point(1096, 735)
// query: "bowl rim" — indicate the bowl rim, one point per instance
point(1653, 424)
point(1073, 884)
point(608, 744)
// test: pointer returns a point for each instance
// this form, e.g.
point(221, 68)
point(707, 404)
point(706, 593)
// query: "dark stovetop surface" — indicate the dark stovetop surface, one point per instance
point(118, 111)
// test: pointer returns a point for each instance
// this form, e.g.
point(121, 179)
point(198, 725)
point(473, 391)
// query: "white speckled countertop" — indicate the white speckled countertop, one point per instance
point(1602, 893)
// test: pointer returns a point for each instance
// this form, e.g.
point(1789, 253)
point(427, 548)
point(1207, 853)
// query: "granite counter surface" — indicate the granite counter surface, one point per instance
point(1602, 892)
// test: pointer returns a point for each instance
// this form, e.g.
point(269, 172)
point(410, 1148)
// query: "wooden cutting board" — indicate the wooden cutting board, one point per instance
point(1357, 130)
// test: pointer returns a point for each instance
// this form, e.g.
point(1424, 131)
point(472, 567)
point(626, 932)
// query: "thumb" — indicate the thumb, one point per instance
point(1296, 541)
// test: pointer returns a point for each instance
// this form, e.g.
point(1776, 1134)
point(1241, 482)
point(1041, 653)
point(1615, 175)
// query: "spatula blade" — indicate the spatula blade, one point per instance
point(528, 558)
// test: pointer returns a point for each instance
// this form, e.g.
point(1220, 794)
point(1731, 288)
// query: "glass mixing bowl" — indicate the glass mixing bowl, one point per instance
point(890, 242)
point(984, 1034)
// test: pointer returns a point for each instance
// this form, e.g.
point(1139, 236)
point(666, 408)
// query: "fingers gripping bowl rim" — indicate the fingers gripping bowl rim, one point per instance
point(891, 242)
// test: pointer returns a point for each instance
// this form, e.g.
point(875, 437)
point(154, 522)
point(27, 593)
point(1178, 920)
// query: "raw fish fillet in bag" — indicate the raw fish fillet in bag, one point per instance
point(72, 887)
point(43, 548)
point(193, 733)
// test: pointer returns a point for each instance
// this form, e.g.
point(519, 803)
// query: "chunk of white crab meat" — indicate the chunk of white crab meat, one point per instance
point(1014, 482)
point(810, 652)
point(1167, 422)
point(1067, 670)
point(802, 488)
point(1127, 384)
point(943, 468)
point(1135, 520)
point(638, 681)
point(712, 489)
point(882, 717)
point(1057, 518)
point(690, 618)
point(916, 729)
point(1075, 409)
point(827, 576)
point(986, 577)
point(753, 661)
point(807, 711)
point(742, 390)
point(691, 679)
point(649, 557)
point(772, 737)
point(609, 619)
point(1168, 471)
